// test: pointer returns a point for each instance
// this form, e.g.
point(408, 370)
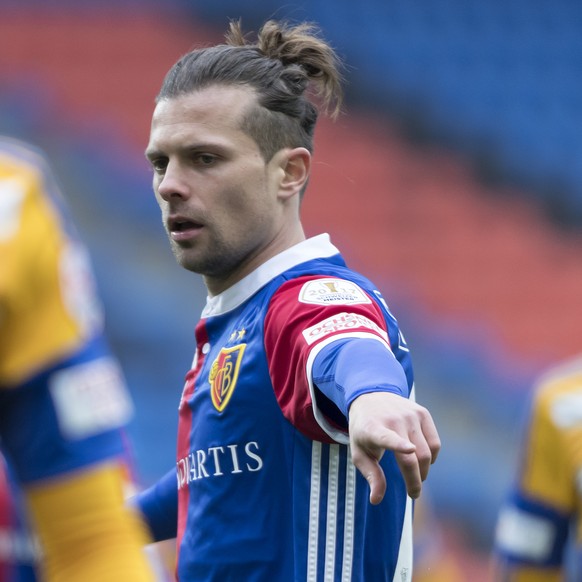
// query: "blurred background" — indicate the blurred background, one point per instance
point(453, 180)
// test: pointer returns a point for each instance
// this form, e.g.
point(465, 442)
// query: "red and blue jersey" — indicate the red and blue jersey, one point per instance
point(266, 486)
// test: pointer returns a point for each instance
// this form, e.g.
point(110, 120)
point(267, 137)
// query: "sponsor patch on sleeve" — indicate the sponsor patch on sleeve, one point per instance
point(525, 535)
point(330, 291)
point(90, 398)
point(342, 322)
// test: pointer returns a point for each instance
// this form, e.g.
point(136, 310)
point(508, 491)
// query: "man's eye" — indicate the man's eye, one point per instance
point(159, 165)
point(205, 159)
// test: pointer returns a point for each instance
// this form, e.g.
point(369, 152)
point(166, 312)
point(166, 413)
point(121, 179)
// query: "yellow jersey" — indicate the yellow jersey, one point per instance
point(539, 532)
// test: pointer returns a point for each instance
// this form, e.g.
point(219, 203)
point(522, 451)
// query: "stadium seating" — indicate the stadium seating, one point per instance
point(461, 140)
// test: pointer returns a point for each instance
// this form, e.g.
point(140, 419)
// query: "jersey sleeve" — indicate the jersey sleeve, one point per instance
point(534, 524)
point(85, 529)
point(159, 507)
point(347, 368)
point(308, 318)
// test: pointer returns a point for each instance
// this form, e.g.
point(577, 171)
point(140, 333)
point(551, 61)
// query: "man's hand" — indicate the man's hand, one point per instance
point(381, 421)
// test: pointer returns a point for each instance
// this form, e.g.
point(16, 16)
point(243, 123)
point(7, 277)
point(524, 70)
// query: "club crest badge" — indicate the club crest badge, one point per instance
point(224, 375)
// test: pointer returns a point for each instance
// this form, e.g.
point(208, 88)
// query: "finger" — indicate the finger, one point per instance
point(411, 473)
point(431, 435)
point(392, 441)
point(424, 456)
point(427, 442)
point(374, 475)
point(367, 456)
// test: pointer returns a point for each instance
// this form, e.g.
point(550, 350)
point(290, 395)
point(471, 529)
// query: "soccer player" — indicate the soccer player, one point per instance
point(539, 530)
point(300, 373)
point(63, 401)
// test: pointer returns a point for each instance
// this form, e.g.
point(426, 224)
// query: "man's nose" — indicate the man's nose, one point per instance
point(173, 183)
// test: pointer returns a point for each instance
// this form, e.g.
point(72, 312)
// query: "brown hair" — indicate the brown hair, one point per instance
point(284, 64)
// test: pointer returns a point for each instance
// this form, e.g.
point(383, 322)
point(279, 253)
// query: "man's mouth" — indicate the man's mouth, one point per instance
point(182, 225)
point(182, 229)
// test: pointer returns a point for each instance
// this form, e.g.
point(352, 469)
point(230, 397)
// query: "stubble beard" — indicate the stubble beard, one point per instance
point(218, 262)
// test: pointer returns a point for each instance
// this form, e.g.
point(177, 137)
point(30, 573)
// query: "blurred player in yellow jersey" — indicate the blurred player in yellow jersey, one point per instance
point(539, 532)
point(63, 401)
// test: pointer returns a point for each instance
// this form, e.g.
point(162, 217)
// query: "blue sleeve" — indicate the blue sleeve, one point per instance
point(37, 436)
point(518, 517)
point(159, 506)
point(346, 369)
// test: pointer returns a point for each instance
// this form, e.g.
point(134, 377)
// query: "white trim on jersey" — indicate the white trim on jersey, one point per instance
point(314, 511)
point(332, 497)
point(349, 520)
point(315, 247)
point(403, 571)
point(332, 515)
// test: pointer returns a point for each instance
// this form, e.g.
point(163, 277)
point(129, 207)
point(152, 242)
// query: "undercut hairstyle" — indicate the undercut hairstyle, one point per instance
point(288, 67)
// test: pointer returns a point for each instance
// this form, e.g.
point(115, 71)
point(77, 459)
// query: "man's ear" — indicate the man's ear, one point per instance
point(296, 165)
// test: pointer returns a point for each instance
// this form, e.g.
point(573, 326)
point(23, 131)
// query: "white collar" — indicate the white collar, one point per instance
point(312, 248)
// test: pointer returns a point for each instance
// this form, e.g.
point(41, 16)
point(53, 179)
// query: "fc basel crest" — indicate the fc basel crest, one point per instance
point(224, 374)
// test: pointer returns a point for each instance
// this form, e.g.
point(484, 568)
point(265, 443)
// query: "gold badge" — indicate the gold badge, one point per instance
point(224, 374)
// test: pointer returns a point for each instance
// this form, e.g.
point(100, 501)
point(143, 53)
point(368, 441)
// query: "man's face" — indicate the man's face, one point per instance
point(218, 196)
